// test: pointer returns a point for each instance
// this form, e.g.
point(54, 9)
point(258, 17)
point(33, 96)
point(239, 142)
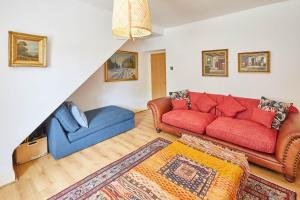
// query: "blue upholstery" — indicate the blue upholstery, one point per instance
point(66, 119)
point(78, 115)
point(104, 123)
point(100, 119)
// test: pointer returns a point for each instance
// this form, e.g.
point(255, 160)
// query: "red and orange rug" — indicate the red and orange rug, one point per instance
point(88, 188)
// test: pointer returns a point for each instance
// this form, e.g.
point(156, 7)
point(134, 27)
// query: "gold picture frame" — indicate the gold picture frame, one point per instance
point(255, 62)
point(122, 66)
point(215, 63)
point(27, 50)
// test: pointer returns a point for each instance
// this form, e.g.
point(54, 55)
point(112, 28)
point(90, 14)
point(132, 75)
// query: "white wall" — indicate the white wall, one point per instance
point(79, 42)
point(134, 95)
point(275, 28)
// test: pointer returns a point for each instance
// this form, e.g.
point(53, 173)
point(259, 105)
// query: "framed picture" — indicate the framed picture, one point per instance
point(27, 50)
point(215, 63)
point(254, 61)
point(122, 66)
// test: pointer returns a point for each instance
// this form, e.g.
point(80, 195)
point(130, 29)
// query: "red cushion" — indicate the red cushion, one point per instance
point(263, 117)
point(205, 103)
point(293, 109)
point(179, 104)
point(194, 96)
point(230, 107)
point(244, 133)
point(248, 103)
point(189, 120)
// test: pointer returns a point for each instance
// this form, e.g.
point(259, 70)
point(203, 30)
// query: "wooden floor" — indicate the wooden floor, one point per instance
point(43, 178)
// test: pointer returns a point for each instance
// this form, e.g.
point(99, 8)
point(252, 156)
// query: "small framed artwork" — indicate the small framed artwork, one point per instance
point(122, 66)
point(215, 63)
point(254, 62)
point(27, 50)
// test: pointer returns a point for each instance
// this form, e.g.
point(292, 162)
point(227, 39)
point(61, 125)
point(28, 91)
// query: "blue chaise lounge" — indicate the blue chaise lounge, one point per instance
point(104, 123)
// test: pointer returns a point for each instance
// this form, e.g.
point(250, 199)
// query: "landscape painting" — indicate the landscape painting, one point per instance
point(27, 50)
point(254, 61)
point(215, 62)
point(122, 66)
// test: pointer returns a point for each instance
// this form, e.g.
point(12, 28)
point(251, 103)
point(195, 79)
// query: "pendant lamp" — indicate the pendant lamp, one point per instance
point(131, 19)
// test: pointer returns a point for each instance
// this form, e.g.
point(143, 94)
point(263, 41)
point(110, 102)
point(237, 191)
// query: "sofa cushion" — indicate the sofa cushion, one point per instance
point(244, 133)
point(189, 120)
point(281, 109)
point(78, 115)
point(293, 109)
point(65, 118)
point(179, 104)
point(263, 117)
point(205, 103)
point(230, 107)
point(183, 94)
point(195, 96)
point(101, 118)
point(248, 103)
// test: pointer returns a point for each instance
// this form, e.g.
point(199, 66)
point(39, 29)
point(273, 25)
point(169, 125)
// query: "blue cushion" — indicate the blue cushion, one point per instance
point(100, 119)
point(66, 119)
point(78, 115)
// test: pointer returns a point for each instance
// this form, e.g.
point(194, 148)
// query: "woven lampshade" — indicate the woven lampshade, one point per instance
point(131, 19)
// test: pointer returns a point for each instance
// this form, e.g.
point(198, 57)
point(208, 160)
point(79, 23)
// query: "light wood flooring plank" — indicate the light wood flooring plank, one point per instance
point(44, 177)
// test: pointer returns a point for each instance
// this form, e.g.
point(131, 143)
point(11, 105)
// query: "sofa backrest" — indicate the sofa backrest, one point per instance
point(217, 98)
point(249, 103)
point(194, 96)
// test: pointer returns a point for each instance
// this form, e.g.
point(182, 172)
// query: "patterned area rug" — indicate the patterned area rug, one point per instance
point(256, 188)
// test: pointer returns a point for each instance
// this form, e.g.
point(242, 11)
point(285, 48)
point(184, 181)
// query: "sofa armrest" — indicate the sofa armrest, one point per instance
point(159, 107)
point(57, 139)
point(288, 145)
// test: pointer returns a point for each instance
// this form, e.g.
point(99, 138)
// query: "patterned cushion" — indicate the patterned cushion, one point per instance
point(263, 117)
point(281, 109)
point(183, 94)
point(230, 107)
point(205, 103)
point(179, 104)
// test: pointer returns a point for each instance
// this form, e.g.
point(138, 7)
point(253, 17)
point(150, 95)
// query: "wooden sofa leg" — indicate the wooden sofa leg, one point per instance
point(290, 179)
point(158, 130)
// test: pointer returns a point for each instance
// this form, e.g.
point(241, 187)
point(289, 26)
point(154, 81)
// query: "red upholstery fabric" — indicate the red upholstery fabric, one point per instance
point(217, 98)
point(293, 109)
point(205, 103)
point(243, 133)
point(248, 103)
point(230, 107)
point(194, 96)
point(189, 120)
point(263, 117)
point(179, 104)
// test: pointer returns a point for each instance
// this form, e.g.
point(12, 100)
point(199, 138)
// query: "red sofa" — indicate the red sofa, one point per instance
point(276, 150)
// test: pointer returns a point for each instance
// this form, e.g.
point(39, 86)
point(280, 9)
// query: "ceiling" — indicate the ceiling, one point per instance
point(169, 13)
